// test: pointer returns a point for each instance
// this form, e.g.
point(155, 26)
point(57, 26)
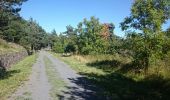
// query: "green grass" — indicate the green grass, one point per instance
point(79, 66)
point(58, 85)
point(118, 82)
point(15, 76)
point(25, 96)
point(7, 47)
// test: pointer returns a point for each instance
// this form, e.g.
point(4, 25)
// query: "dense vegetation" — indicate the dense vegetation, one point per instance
point(13, 28)
point(26, 33)
point(145, 42)
point(90, 37)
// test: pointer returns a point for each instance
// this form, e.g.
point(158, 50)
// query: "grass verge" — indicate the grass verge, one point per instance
point(7, 47)
point(15, 76)
point(118, 85)
point(58, 85)
point(79, 66)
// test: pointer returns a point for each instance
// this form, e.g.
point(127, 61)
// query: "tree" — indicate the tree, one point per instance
point(147, 17)
point(107, 37)
point(89, 36)
point(53, 38)
point(60, 43)
point(168, 32)
point(71, 35)
point(8, 9)
point(166, 46)
point(70, 48)
point(14, 31)
point(32, 36)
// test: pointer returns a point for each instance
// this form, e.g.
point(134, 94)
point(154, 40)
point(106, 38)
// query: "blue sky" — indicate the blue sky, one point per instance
point(57, 14)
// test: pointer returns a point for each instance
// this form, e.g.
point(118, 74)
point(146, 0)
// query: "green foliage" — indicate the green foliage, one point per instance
point(58, 48)
point(168, 32)
point(15, 29)
point(52, 38)
point(26, 33)
point(92, 39)
point(147, 16)
point(88, 38)
point(166, 45)
point(59, 43)
point(70, 48)
point(9, 10)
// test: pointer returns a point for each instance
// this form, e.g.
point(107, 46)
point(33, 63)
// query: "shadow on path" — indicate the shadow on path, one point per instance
point(83, 90)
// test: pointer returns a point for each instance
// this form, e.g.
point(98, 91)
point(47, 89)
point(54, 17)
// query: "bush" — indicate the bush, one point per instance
point(70, 48)
point(57, 48)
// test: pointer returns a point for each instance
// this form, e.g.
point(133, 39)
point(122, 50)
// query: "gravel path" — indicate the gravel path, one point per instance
point(38, 87)
point(78, 88)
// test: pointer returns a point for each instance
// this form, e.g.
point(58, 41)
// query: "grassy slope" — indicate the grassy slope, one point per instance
point(105, 73)
point(56, 82)
point(6, 47)
point(15, 76)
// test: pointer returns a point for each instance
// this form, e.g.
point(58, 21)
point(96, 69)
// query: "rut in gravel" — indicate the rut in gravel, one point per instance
point(38, 87)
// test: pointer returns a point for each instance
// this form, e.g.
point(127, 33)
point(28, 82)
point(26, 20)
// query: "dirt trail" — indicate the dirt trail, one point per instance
point(78, 88)
point(38, 87)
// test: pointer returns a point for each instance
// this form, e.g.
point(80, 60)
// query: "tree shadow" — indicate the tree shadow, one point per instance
point(115, 86)
point(82, 90)
point(119, 87)
point(5, 74)
point(110, 65)
point(124, 68)
point(106, 65)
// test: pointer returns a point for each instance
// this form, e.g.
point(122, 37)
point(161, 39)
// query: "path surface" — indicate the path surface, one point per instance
point(38, 87)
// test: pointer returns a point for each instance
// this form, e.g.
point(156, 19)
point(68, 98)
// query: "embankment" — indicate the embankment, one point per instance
point(6, 60)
